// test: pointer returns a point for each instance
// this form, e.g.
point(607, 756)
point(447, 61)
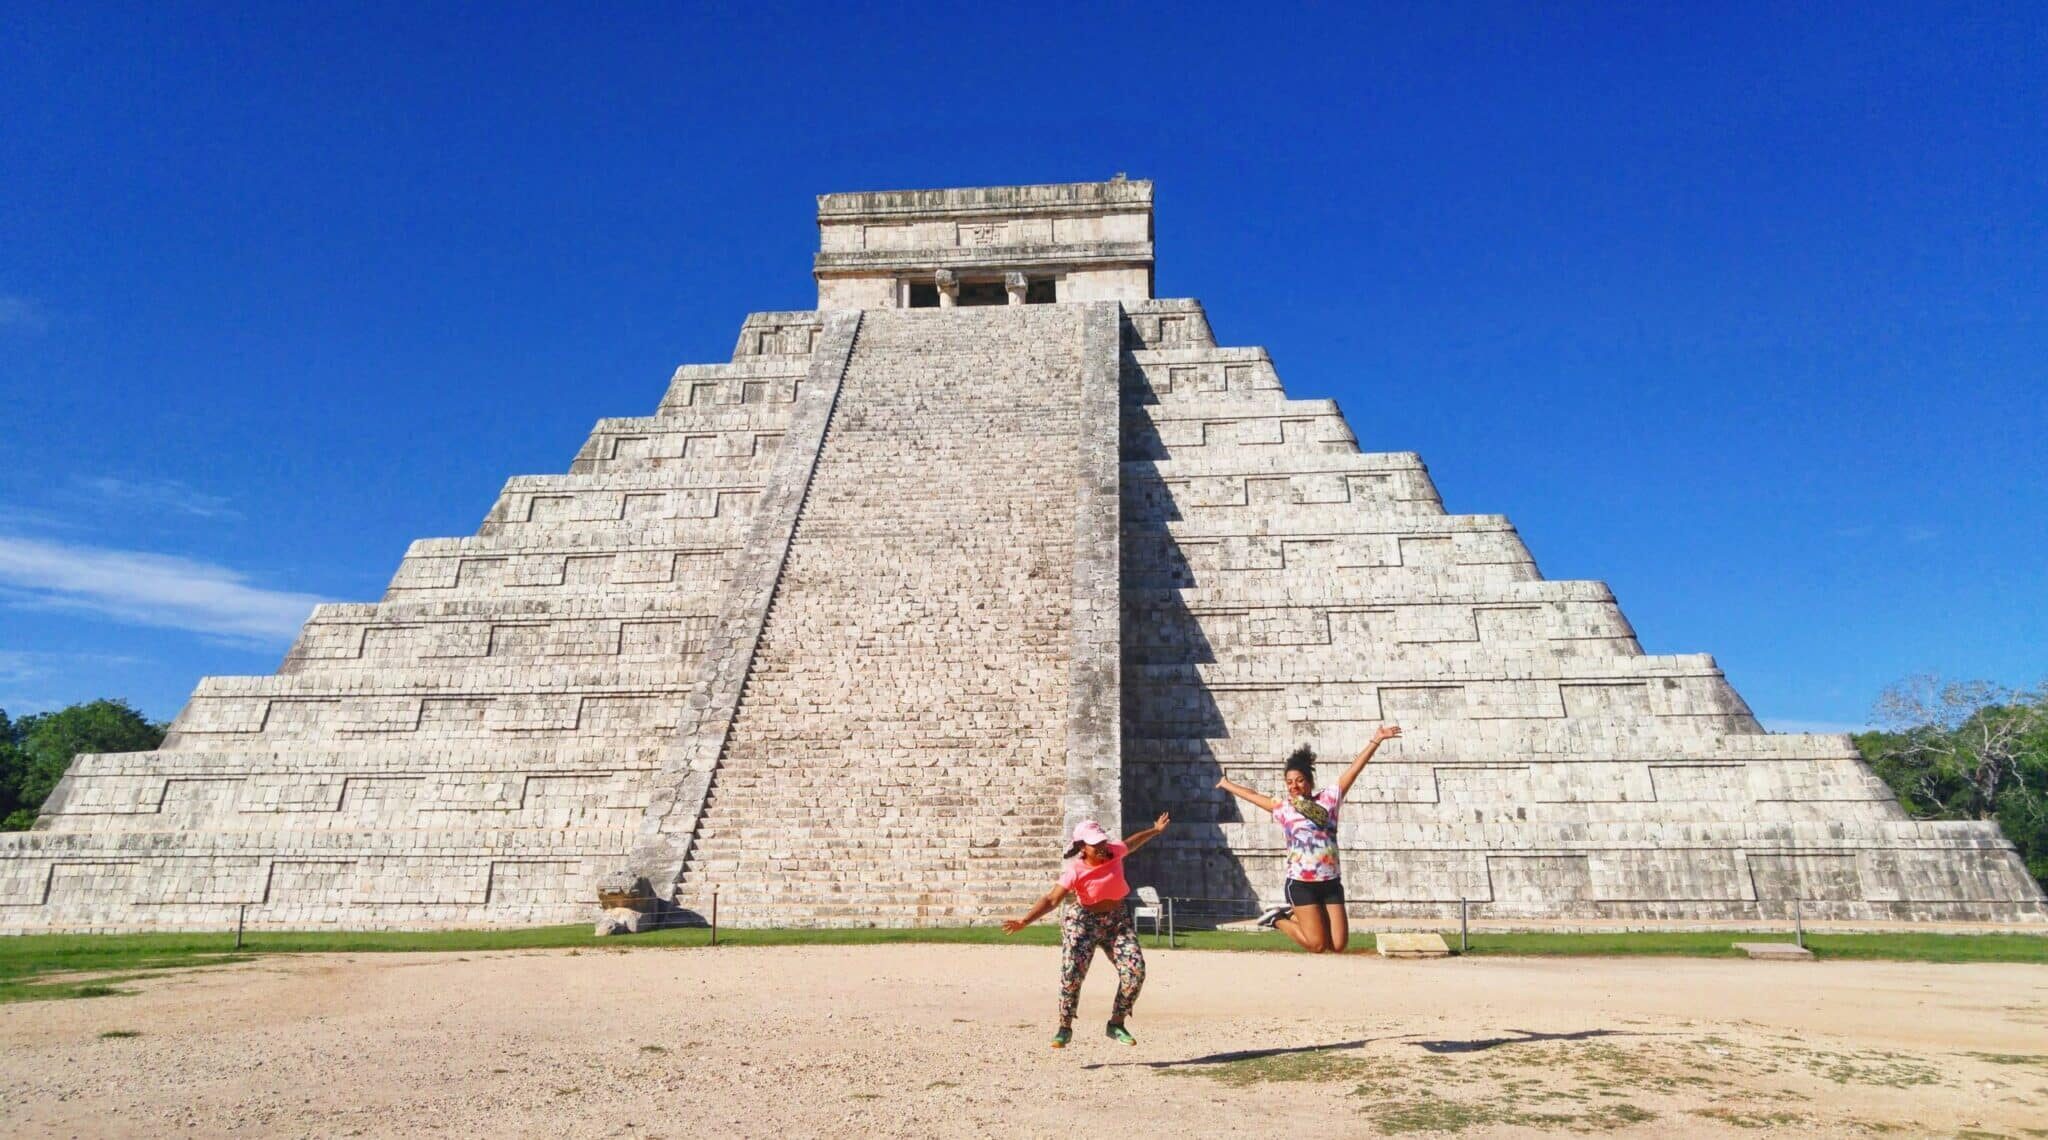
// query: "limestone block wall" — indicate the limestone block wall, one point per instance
point(1281, 588)
point(476, 748)
point(943, 633)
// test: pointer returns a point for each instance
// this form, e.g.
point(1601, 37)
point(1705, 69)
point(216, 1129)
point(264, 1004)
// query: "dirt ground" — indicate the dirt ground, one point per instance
point(952, 1041)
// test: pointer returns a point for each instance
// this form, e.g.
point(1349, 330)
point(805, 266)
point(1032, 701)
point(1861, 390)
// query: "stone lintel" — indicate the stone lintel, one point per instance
point(1044, 198)
point(985, 261)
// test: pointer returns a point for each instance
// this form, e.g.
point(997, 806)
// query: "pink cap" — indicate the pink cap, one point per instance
point(1089, 831)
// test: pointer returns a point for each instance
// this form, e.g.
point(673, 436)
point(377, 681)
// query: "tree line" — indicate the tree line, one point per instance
point(1967, 750)
point(35, 750)
point(1948, 750)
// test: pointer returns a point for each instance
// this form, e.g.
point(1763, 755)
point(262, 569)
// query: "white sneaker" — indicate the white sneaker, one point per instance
point(1273, 915)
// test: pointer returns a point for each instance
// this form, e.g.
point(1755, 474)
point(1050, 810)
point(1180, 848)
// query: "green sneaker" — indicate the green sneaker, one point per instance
point(1060, 1039)
point(1119, 1033)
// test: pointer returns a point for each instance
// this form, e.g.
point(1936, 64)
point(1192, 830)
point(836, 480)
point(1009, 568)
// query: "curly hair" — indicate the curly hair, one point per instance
point(1303, 760)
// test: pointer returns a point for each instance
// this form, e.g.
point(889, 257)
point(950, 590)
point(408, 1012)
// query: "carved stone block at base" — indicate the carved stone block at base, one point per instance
point(624, 920)
point(1776, 951)
point(1411, 945)
point(622, 890)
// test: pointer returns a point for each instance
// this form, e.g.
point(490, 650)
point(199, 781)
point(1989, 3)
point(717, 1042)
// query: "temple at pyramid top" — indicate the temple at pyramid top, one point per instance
point(990, 245)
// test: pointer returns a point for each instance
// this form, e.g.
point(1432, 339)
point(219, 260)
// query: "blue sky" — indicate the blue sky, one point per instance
point(1744, 312)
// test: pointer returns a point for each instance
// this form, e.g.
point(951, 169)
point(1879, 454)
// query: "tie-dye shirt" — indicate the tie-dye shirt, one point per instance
point(1311, 850)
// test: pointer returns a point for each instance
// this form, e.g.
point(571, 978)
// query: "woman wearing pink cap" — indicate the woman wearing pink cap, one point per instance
point(1094, 874)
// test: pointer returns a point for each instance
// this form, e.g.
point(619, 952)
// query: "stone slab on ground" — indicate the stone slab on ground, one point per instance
point(1411, 944)
point(1776, 951)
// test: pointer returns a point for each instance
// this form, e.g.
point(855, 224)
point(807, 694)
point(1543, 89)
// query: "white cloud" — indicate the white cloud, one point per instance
point(140, 588)
point(168, 494)
point(26, 664)
point(18, 313)
point(34, 518)
point(22, 671)
point(1869, 530)
point(17, 666)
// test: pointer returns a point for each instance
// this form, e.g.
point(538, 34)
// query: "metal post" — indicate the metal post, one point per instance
point(1169, 924)
point(241, 919)
point(714, 916)
point(1798, 925)
point(1464, 926)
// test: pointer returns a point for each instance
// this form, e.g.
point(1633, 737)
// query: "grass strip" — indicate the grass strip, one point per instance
point(103, 961)
point(1888, 946)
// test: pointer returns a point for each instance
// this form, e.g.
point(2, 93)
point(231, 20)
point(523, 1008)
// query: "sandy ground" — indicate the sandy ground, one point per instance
point(951, 1040)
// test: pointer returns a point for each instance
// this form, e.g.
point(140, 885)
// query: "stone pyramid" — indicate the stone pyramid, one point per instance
point(854, 626)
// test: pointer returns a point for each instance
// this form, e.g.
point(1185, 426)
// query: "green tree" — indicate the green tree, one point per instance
point(35, 750)
point(1968, 750)
point(10, 771)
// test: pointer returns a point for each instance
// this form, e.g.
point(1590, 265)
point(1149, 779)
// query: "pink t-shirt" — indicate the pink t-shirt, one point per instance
point(1103, 882)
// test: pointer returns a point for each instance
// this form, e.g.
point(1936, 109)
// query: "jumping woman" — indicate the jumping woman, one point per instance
point(1314, 916)
point(1094, 875)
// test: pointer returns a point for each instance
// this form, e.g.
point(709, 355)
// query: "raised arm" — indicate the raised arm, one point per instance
point(1052, 899)
point(1385, 732)
point(1137, 839)
point(1247, 795)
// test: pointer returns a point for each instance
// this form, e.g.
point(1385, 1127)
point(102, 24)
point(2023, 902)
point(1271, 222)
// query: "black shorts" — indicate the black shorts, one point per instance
point(1308, 894)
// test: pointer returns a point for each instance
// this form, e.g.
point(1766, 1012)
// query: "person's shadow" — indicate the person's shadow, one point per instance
point(1479, 1044)
point(1522, 1035)
point(1240, 1055)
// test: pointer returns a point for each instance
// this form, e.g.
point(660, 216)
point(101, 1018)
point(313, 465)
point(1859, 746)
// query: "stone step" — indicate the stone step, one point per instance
point(858, 872)
point(874, 844)
point(1776, 951)
point(1410, 944)
point(963, 885)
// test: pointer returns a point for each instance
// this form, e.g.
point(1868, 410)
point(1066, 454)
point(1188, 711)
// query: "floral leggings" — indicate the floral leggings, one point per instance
point(1081, 931)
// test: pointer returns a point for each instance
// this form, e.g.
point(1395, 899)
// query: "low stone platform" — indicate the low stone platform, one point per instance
point(1776, 951)
point(1395, 944)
